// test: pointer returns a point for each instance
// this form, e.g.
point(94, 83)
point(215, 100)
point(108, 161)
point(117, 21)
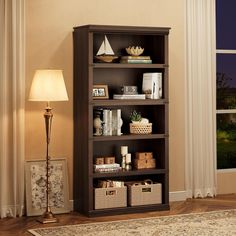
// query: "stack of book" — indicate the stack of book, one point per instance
point(107, 167)
point(136, 59)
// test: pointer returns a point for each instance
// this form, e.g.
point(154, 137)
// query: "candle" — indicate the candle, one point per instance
point(124, 150)
point(128, 158)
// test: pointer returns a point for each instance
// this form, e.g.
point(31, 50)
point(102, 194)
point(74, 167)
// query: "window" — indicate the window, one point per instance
point(226, 83)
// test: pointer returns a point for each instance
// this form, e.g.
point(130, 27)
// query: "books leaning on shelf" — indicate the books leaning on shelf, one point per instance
point(129, 96)
point(136, 59)
point(112, 122)
point(152, 85)
point(107, 168)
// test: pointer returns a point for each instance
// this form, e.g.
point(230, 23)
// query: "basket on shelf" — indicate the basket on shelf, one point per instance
point(140, 128)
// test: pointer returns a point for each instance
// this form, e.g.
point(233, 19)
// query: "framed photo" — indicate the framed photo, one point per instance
point(35, 175)
point(100, 92)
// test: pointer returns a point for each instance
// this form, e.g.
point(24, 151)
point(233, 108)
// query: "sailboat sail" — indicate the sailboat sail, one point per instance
point(105, 48)
point(108, 49)
point(101, 50)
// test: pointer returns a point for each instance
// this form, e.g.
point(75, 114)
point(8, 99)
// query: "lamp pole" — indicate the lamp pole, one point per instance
point(48, 216)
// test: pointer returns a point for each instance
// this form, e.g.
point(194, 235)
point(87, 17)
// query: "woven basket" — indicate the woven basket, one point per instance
point(140, 128)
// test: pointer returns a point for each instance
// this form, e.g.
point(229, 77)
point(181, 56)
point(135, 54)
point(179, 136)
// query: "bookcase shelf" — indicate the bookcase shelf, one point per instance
point(129, 173)
point(128, 137)
point(133, 66)
point(129, 209)
point(87, 147)
point(112, 102)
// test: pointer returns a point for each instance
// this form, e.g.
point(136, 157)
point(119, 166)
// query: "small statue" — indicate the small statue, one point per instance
point(97, 124)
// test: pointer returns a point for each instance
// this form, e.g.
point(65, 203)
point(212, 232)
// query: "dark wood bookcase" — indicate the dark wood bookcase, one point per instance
point(87, 72)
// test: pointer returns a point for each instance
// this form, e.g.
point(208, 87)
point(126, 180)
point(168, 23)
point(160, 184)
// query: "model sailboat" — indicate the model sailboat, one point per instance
point(105, 52)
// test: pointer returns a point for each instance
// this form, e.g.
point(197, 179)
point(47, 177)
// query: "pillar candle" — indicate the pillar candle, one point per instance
point(128, 158)
point(124, 150)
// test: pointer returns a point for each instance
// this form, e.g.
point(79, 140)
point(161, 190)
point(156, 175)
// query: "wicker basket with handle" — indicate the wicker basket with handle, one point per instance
point(140, 128)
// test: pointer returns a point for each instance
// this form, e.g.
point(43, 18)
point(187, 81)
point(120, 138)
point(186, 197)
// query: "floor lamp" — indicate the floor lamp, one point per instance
point(48, 86)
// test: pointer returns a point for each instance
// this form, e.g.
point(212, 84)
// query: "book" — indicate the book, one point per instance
point(129, 96)
point(114, 122)
point(110, 123)
point(105, 122)
point(136, 61)
point(136, 57)
point(112, 169)
point(106, 166)
point(119, 122)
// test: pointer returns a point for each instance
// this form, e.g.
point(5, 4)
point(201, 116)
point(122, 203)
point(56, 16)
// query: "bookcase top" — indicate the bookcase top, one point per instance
point(123, 29)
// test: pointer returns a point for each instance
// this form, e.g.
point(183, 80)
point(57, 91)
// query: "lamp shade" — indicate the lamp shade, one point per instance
point(48, 85)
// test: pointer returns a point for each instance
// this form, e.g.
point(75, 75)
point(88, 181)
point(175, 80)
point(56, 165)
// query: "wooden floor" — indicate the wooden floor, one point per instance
point(19, 226)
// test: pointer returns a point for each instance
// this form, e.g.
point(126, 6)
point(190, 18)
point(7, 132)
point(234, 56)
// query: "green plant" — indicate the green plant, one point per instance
point(135, 116)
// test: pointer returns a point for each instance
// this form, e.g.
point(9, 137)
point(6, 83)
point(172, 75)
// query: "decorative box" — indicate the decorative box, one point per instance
point(99, 161)
point(110, 197)
point(143, 164)
point(109, 160)
point(129, 90)
point(144, 194)
point(143, 155)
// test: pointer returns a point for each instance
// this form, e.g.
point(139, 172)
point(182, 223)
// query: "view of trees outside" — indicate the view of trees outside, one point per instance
point(226, 141)
point(226, 83)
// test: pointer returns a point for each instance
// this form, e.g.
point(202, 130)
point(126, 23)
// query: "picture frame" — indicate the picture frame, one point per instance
point(100, 92)
point(35, 176)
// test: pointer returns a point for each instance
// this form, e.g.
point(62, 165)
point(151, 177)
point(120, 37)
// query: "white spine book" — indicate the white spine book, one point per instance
point(160, 84)
point(149, 87)
point(114, 122)
point(105, 122)
point(106, 166)
point(152, 85)
point(119, 122)
point(155, 87)
point(110, 122)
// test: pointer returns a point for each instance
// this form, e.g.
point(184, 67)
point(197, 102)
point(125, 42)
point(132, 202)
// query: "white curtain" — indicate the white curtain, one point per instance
point(200, 98)
point(12, 100)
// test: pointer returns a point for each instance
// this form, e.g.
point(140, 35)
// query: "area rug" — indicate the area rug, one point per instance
point(220, 223)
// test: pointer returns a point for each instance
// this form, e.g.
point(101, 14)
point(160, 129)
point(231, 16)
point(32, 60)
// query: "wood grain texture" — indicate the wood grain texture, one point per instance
point(19, 226)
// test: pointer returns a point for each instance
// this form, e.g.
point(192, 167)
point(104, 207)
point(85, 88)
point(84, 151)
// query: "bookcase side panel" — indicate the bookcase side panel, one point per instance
point(81, 124)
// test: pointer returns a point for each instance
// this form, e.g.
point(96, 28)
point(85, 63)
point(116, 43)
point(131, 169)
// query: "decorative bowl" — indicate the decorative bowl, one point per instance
point(134, 50)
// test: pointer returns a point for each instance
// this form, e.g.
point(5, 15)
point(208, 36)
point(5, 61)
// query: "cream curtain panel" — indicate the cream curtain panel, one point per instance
point(12, 100)
point(200, 99)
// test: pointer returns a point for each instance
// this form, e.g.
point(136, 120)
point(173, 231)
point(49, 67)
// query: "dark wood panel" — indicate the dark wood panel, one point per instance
point(81, 121)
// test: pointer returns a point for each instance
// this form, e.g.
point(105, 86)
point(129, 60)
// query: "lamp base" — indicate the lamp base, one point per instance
point(47, 217)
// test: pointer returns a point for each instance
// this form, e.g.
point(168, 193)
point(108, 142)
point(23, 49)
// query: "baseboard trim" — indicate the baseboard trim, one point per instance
point(178, 196)
point(174, 197)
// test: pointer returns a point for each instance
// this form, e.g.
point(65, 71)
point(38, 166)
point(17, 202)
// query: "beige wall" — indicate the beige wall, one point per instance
point(226, 182)
point(49, 26)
